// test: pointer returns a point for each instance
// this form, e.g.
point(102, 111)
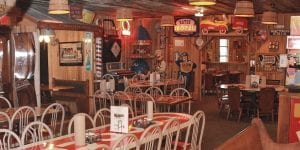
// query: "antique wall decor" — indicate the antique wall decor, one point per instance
point(71, 53)
point(186, 26)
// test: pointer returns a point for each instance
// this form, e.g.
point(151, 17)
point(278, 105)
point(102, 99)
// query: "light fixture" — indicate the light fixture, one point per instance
point(202, 2)
point(124, 14)
point(125, 28)
point(58, 7)
point(269, 17)
point(46, 35)
point(244, 9)
point(199, 12)
point(167, 20)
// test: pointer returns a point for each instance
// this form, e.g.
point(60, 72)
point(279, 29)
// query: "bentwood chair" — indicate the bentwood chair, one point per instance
point(171, 130)
point(126, 142)
point(5, 101)
point(21, 118)
point(132, 89)
point(7, 120)
point(35, 132)
point(87, 117)
point(178, 92)
point(140, 103)
point(266, 102)
point(102, 100)
point(196, 129)
point(154, 91)
point(131, 112)
point(9, 139)
point(54, 116)
point(122, 97)
point(151, 138)
point(102, 115)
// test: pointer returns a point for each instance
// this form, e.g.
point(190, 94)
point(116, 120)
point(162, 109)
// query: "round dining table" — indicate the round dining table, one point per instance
point(106, 136)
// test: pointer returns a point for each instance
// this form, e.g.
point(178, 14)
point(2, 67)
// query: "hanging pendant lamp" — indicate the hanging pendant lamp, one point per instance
point(269, 17)
point(124, 15)
point(167, 20)
point(202, 2)
point(58, 7)
point(244, 9)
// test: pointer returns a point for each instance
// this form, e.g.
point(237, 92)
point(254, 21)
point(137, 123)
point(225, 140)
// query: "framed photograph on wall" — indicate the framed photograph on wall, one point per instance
point(71, 53)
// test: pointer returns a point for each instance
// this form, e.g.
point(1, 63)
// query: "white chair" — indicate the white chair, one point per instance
point(126, 142)
point(131, 112)
point(8, 125)
point(154, 91)
point(103, 147)
point(178, 92)
point(23, 116)
point(122, 97)
point(35, 132)
point(54, 116)
point(102, 100)
point(171, 130)
point(196, 128)
point(9, 139)
point(151, 138)
point(87, 117)
point(101, 115)
point(2, 98)
point(140, 103)
point(131, 89)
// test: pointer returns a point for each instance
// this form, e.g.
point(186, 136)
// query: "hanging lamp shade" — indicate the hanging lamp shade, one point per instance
point(58, 7)
point(124, 15)
point(244, 9)
point(167, 20)
point(202, 2)
point(269, 17)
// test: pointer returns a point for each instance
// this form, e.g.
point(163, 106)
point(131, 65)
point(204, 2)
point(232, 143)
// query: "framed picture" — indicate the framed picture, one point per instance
point(71, 53)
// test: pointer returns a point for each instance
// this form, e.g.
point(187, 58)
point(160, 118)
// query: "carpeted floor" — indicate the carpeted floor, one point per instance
point(218, 129)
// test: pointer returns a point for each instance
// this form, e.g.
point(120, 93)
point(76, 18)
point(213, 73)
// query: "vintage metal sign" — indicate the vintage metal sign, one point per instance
point(186, 26)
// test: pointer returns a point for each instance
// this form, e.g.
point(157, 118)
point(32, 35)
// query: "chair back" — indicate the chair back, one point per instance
point(126, 142)
point(138, 77)
point(131, 112)
point(7, 136)
point(35, 132)
point(266, 99)
point(102, 100)
point(102, 115)
point(87, 117)
point(122, 97)
point(23, 116)
point(234, 97)
point(54, 116)
point(140, 103)
point(171, 130)
point(180, 92)
point(4, 102)
point(6, 119)
point(196, 127)
point(154, 91)
point(133, 89)
point(151, 138)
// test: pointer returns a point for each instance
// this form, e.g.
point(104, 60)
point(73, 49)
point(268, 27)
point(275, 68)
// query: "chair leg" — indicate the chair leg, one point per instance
point(228, 113)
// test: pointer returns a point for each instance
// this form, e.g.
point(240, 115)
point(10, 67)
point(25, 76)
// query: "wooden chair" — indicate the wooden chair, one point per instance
point(234, 97)
point(154, 91)
point(151, 138)
point(182, 92)
point(87, 117)
point(102, 115)
point(54, 116)
point(9, 139)
point(8, 121)
point(6, 101)
point(266, 102)
point(171, 130)
point(196, 128)
point(102, 100)
point(35, 132)
point(126, 142)
point(23, 116)
point(140, 103)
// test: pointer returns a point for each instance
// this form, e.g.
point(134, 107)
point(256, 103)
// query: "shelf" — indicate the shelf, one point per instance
point(233, 34)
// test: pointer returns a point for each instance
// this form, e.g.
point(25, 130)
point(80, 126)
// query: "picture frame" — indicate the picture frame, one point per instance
point(71, 53)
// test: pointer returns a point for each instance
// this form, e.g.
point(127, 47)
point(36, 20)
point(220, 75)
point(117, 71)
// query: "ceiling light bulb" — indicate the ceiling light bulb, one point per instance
point(47, 39)
point(41, 38)
point(199, 14)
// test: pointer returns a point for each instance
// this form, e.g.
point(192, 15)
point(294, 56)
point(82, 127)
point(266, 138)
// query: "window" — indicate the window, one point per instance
point(224, 48)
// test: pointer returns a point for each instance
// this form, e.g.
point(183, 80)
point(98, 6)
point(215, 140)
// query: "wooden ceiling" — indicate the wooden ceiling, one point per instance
point(157, 8)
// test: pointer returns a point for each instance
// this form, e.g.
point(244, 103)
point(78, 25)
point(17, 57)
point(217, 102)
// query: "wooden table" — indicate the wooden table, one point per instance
point(243, 87)
point(108, 138)
point(146, 83)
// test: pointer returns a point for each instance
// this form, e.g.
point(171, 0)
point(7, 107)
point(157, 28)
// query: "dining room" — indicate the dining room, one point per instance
point(149, 74)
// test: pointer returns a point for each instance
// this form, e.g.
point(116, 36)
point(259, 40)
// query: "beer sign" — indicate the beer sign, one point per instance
point(186, 26)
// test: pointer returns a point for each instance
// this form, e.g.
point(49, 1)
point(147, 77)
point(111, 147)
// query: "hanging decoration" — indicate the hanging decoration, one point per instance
point(98, 57)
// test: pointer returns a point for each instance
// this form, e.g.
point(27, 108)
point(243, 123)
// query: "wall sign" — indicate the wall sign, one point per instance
point(186, 26)
point(76, 11)
point(282, 32)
